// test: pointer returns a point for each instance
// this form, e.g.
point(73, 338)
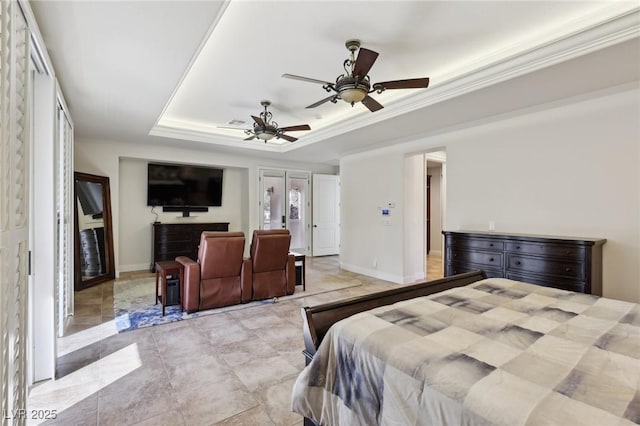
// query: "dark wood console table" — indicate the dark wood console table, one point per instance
point(300, 262)
point(164, 269)
point(171, 240)
point(568, 263)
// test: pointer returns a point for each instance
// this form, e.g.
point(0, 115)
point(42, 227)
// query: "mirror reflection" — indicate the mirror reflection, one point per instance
point(94, 252)
point(91, 228)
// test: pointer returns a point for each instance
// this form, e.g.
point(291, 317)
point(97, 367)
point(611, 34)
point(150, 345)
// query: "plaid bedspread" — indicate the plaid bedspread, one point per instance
point(494, 352)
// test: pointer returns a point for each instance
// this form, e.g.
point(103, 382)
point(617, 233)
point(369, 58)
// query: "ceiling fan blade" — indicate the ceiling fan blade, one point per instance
point(250, 137)
point(364, 62)
point(307, 79)
point(412, 83)
point(258, 120)
point(295, 128)
point(320, 102)
point(371, 103)
point(288, 138)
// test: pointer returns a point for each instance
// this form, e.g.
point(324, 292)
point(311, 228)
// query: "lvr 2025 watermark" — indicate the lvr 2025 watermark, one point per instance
point(24, 414)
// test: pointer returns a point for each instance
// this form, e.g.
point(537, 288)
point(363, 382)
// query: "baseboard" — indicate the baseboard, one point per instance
point(398, 279)
point(420, 276)
point(132, 268)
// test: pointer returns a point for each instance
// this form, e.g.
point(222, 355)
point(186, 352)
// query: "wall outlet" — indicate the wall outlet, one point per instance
point(492, 225)
point(374, 263)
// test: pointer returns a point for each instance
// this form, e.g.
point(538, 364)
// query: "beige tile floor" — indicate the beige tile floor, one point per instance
point(230, 368)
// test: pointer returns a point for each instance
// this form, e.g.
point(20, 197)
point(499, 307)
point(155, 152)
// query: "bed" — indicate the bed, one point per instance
point(467, 350)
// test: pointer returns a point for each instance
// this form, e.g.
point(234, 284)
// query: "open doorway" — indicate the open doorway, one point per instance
point(435, 184)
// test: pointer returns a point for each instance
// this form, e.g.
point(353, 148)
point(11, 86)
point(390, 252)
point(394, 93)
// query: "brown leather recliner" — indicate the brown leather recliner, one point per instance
point(221, 277)
point(273, 268)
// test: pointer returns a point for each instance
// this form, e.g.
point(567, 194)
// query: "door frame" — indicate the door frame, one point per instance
point(286, 174)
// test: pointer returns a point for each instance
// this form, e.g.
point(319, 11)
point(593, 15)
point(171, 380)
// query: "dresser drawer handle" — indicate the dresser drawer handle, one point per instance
point(567, 269)
point(517, 247)
point(491, 245)
point(491, 259)
point(518, 262)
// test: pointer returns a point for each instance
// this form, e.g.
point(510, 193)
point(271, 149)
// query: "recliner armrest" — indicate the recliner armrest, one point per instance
point(246, 281)
point(291, 274)
point(190, 288)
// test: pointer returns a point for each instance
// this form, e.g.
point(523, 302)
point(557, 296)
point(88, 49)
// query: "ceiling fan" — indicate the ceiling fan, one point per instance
point(265, 128)
point(355, 85)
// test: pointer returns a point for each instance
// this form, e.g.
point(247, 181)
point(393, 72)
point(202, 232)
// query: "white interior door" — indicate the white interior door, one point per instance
point(326, 215)
point(44, 276)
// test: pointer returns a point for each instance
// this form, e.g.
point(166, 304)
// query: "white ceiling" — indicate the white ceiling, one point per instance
point(172, 72)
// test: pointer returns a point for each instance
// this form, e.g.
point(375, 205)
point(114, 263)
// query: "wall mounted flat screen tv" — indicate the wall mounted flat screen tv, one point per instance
point(183, 185)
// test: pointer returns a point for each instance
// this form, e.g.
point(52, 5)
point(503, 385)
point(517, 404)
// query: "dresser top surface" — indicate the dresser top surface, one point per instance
point(189, 223)
point(516, 236)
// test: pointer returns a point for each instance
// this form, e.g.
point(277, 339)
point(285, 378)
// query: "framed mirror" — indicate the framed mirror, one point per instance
point(93, 252)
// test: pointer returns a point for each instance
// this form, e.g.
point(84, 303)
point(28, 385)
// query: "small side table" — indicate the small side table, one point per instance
point(164, 268)
point(298, 257)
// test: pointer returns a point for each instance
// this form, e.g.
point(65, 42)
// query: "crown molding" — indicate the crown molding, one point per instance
point(212, 138)
point(608, 32)
point(617, 24)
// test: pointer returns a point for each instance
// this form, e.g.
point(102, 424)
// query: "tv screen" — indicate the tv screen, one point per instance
point(183, 185)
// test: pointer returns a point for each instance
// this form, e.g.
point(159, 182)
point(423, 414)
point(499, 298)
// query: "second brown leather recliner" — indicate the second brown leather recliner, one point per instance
point(273, 268)
point(221, 277)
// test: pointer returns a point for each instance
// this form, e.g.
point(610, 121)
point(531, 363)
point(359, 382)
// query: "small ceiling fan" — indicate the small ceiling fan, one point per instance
point(265, 128)
point(355, 85)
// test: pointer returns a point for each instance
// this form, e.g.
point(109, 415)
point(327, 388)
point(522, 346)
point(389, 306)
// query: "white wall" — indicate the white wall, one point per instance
point(132, 235)
point(570, 169)
point(136, 217)
point(414, 250)
point(367, 183)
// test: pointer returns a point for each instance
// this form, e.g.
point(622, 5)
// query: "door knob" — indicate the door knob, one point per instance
point(315, 226)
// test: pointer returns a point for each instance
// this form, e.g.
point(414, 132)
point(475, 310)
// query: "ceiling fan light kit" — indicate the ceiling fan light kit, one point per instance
point(352, 90)
point(264, 134)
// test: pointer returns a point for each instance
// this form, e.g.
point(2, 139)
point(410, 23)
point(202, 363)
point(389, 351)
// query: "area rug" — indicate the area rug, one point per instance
point(134, 307)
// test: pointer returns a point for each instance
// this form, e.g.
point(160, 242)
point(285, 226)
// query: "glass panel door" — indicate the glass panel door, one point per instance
point(285, 203)
point(297, 212)
point(273, 199)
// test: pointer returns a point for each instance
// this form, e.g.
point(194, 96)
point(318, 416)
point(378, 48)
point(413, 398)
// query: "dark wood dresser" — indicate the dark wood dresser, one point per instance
point(180, 239)
point(569, 263)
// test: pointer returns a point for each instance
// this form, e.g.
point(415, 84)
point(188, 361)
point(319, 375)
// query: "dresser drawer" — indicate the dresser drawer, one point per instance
point(543, 266)
point(478, 243)
point(174, 246)
point(492, 260)
point(460, 268)
point(172, 234)
point(542, 249)
point(546, 281)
